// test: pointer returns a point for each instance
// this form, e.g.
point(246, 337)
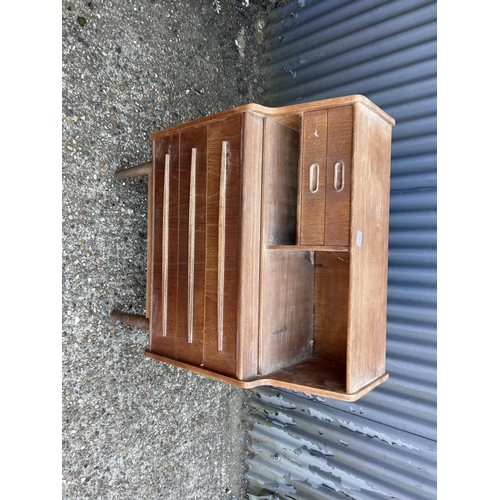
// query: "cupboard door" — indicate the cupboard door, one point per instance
point(222, 245)
point(165, 230)
point(338, 176)
point(313, 178)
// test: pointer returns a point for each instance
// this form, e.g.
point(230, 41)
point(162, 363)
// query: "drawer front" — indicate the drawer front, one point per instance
point(325, 177)
point(338, 176)
point(191, 245)
point(222, 249)
point(195, 245)
point(311, 217)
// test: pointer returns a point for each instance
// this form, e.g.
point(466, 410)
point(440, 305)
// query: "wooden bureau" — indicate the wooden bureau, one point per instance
point(267, 246)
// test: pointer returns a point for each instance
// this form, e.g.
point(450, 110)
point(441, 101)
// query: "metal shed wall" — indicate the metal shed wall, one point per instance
point(383, 446)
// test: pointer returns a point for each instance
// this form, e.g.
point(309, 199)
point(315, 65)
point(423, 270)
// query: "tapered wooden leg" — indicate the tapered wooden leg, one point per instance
point(144, 169)
point(137, 171)
point(131, 319)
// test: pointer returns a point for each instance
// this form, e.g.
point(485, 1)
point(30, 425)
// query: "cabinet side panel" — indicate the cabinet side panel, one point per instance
point(222, 245)
point(369, 249)
point(163, 321)
point(250, 237)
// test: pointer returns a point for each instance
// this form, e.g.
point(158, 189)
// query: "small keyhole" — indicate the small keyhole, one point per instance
point(313, 177)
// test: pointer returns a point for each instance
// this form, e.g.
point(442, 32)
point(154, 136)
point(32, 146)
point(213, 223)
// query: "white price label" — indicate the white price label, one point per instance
point(359, 238)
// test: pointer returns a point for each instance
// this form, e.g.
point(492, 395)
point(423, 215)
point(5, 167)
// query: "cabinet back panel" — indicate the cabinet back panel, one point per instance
point(280, 171)
point(331, 288)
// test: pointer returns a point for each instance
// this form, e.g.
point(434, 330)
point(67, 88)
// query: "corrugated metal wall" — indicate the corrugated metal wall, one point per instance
point(383, 446)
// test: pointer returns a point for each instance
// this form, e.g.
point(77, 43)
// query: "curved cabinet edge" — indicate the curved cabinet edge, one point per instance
point(270, 381)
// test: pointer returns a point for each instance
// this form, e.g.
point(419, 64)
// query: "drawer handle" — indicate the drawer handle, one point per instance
point(166, 192)
point(338, 176)
point(222, 248)
point(314, 178)
point(191, 244)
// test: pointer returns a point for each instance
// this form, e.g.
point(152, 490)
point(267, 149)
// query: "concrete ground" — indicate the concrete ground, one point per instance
point(134, 428)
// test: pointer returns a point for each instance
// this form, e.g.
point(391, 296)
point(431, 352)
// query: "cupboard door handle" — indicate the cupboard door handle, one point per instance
point(314, 178)
point(338, 176)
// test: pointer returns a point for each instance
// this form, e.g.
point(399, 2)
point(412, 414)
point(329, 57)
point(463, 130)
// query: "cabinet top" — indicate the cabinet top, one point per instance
point(287, 114)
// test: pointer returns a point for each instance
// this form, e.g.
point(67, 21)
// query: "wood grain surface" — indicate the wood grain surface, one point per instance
point(268, 245)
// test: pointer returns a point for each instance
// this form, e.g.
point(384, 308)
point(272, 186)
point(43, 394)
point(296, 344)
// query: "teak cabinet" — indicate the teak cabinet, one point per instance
point(267, 246)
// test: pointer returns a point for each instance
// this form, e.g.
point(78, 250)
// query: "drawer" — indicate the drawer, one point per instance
point(164, 280)
point(311, 213)
point(223, 210)
point(195, 250)
point(325, 177)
